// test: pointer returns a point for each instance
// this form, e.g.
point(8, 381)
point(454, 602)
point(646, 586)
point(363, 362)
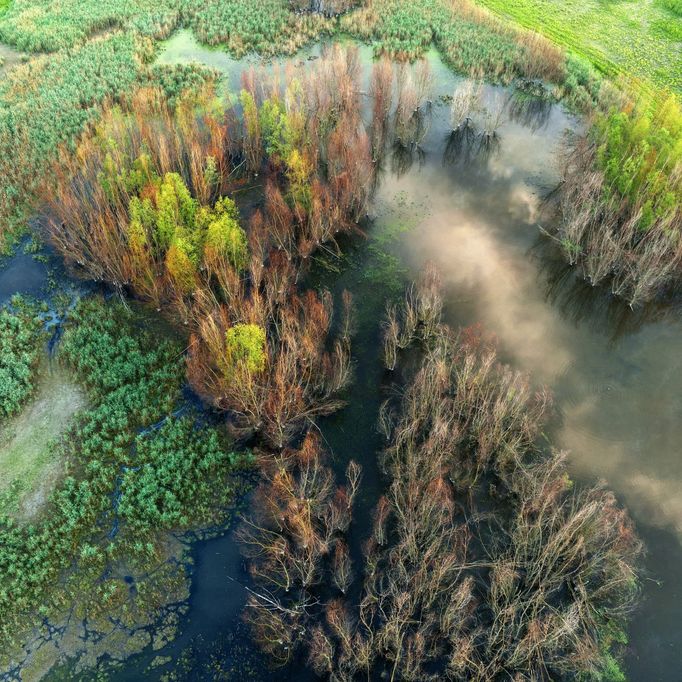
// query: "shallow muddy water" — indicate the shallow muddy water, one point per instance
point(616, 375)
point(21, 274)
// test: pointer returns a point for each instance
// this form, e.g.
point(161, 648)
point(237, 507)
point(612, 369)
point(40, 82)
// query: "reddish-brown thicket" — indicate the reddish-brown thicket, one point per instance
point(318, 174)
point(300, 376)
point(141, 205)
point(90, 192)
point(112, 217)
point(381, 92)
point(484, 562)
point(294, 541)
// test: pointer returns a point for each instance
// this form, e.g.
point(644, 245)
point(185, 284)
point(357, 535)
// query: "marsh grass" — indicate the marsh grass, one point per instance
point(51, 25)
point(21, 343)
point(471, 40)
point(268, 26)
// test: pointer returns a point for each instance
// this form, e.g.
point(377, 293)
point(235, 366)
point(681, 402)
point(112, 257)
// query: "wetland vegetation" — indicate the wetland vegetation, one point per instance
point(216, 216)
point(130, 471)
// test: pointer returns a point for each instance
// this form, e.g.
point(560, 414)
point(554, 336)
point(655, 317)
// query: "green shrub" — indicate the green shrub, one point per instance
point(21, 344)
point(640, 152)
point(245, 346)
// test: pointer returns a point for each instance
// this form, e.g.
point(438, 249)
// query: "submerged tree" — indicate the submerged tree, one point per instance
point(483, 561)
point(294, 541)
point(146, 204)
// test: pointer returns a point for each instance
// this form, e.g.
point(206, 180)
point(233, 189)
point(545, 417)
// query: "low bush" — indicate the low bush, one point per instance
point(21, 346)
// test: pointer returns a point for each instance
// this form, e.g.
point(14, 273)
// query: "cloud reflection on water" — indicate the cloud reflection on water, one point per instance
point(613, 373)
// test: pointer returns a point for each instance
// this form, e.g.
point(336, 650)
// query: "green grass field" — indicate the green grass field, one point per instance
point(638, 37)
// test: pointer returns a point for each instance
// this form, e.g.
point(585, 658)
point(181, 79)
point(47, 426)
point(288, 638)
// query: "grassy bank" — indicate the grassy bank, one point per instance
point(636, 38)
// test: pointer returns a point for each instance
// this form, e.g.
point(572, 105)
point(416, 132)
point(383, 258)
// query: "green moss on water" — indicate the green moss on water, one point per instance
point(386, 265)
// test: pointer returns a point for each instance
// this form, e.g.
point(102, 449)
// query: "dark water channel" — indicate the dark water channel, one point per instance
point(616, 375)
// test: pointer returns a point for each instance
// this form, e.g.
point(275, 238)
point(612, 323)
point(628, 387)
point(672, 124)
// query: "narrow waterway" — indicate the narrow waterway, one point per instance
point(616, 375)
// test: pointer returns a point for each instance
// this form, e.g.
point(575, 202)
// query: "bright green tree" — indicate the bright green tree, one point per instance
point(245, 348)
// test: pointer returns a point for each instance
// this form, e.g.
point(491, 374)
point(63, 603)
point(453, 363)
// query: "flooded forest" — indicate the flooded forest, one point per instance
point(337, 341)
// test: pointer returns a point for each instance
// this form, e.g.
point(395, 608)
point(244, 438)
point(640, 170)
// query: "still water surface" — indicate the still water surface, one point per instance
point(616, 375)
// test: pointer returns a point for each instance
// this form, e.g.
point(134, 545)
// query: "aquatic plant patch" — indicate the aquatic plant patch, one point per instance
point(268, 27)
point(22, 342)
point(133, 471)
point(51, 25)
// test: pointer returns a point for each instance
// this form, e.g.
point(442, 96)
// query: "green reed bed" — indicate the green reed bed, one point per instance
point(50, 25)
point(21, 342)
